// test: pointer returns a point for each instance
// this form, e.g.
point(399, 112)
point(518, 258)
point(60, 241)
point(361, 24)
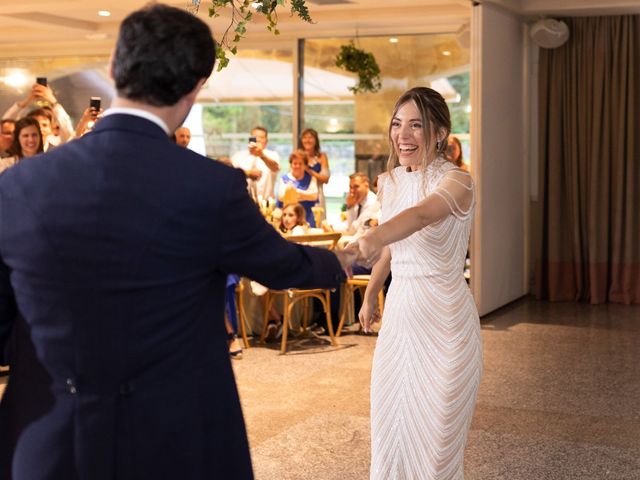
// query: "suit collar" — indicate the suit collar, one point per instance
point(138, 112)
point(130, 123)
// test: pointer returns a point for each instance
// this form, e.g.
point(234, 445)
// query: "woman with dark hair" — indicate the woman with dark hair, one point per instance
point(428, 358)
point(27, 142)
point(318, 166)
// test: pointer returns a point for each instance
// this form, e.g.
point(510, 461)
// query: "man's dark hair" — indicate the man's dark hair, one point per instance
point(7, 120)
point(262, 129)
point(161, 54)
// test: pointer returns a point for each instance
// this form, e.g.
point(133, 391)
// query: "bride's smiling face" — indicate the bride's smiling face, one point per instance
point(408, 136)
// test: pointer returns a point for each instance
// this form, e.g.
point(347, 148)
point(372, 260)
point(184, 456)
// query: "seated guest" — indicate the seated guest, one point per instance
point(259, 165)
point(298, 186)
point(27, 142)
point(7, 127)
point(55, 114)
point(363, 207)
point(293, 220)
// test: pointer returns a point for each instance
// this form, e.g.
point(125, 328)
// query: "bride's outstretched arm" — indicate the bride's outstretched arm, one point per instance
point(454, 195)
point(369, 312)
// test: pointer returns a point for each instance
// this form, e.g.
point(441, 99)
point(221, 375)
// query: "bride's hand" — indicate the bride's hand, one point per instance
point(368, 315)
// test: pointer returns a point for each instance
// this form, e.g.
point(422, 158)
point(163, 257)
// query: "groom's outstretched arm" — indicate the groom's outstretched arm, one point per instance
point(252, 248)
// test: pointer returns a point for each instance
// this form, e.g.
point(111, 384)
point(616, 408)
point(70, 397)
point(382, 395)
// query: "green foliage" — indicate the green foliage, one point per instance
point(241, 14)
point(355, 60)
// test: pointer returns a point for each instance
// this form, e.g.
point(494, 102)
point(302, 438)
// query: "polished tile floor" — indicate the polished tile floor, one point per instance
point(560, 399)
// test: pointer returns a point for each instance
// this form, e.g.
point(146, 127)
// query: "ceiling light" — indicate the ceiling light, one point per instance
point(16, 79)
point(104, 13)
point(393, 40)
point(446, 53)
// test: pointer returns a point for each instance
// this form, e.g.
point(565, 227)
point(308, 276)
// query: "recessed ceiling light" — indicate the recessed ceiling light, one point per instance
point(104, 13)
point(393, 40)
point(446, 53)
point(16, 79)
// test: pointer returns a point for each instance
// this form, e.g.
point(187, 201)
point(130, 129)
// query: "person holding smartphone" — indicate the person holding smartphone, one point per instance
point(260, 165)
point(41, 96)
point(89, 117)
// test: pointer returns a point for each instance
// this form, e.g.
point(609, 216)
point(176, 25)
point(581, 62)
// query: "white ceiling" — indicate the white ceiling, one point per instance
point(45, 28)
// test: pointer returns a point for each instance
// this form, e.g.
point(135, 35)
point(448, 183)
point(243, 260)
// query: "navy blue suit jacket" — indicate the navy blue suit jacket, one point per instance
point(114, 254)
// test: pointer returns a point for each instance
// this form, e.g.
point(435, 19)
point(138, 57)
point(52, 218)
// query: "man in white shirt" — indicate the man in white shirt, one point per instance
point(260, 165)
point(363, 207)
point(182, 136)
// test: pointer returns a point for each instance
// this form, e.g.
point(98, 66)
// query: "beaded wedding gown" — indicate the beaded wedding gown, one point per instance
point(428, 358)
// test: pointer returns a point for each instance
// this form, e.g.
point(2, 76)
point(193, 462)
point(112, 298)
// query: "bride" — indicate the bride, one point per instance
point(428, 358)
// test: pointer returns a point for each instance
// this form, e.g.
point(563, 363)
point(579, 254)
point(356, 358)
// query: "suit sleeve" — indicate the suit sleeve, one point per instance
point(8, 305)
point(252, 248)
point(8, 310)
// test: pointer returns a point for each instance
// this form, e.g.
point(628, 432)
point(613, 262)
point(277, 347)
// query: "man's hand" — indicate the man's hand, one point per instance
point(44, 92)
point(255, 150)
point(370, 249)
point(351, 200)
point(346, 258)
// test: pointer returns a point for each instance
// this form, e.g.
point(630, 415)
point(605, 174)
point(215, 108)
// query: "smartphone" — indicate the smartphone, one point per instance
point(41, 81)
point(252, 139)
point(94, 103)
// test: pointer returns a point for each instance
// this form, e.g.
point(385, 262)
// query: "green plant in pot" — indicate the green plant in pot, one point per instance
point(355, 60)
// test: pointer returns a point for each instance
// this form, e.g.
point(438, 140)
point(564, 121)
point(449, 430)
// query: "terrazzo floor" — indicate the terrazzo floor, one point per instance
point(559, 399)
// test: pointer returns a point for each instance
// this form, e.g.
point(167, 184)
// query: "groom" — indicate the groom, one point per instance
point(114, 251)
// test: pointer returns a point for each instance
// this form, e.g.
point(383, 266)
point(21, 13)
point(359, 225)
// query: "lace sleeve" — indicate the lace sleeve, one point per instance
point(457, 190)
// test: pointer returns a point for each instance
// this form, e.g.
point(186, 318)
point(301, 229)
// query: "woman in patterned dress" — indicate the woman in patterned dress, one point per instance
point(428, 359)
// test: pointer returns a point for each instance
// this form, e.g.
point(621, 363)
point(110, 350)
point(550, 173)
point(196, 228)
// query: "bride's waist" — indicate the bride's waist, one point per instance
point(416, 269)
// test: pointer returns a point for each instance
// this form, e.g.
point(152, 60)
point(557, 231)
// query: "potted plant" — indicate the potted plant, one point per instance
point(355, 60)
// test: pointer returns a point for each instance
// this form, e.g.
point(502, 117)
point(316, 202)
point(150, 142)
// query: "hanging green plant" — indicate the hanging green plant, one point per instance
point(244, 11)
point(355, 60)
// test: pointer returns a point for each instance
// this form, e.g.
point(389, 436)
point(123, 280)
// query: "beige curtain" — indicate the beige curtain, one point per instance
point(590, 163)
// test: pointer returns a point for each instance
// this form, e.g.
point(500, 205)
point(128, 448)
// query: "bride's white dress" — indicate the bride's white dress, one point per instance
point(428, 358)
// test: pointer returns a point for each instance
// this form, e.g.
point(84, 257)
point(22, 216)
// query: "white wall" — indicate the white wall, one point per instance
point(499, 143)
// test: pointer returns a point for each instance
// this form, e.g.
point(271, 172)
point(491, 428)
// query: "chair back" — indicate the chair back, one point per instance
point(325, 239)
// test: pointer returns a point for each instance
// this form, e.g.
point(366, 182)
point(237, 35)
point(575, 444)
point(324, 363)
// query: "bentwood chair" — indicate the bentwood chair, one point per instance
point(242, 317)
point(292, 296)
point(358, 282)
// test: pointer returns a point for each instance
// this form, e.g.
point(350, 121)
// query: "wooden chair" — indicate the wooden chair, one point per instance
point(242, 318)
point(292, 296)
point(358, 282)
